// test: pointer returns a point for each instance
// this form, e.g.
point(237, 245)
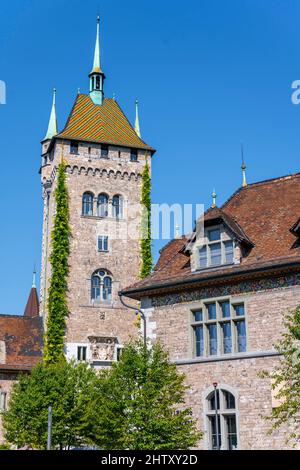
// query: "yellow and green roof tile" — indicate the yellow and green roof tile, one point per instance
point(104, 124)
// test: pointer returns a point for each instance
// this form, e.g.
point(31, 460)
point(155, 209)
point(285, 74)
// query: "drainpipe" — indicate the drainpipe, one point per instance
point(137, 311)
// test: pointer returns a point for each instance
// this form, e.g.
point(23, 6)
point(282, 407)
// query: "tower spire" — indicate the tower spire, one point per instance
point(97, 59)
point(32, 306)
point(96, 75)
point(214, 196)
point(33, 279)
point(137, 121)
point(52, 126)
point(243, 167)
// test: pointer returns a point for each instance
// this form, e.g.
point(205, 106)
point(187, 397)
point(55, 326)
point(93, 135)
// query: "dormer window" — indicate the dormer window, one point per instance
point(216, 249)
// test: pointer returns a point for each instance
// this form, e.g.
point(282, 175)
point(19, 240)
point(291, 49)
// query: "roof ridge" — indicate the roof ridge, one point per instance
point(259, 183)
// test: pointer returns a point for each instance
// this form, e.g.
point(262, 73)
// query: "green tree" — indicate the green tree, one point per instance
point(68, 388)
point(286, 378)
point(139, 404)
point(57, 310)
point(146, 248)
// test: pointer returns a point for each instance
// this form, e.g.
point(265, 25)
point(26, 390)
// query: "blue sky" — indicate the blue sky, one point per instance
point(208, 74)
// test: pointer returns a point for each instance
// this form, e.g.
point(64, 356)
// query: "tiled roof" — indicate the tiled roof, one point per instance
point(295, 229)
point(104, 124)
point(215, 215)
point(23, 339)
point(264, 212)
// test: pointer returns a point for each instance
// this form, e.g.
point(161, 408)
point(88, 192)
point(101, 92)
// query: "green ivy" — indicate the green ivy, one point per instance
point(285, 380)
point(146, 248)
point(57, 295)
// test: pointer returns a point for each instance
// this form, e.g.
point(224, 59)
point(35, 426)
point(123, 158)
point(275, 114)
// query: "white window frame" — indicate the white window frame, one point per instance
point(208, 244)
point(223, 412)
point(233, 319)
point(82, 346)
point(102, 237)
point(101, 300)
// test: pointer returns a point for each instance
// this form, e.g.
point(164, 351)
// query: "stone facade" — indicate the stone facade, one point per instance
point(7, 379)
point(115, 175)
point(170, 321)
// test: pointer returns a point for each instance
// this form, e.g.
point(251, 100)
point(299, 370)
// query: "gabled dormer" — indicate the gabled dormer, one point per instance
point(218, 241)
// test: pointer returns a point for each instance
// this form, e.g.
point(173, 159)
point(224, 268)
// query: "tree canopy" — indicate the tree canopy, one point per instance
point(286, 378)
point(66, 387)
point(139, 404)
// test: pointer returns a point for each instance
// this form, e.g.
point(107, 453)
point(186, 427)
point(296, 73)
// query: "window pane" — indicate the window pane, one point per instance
point(228, 251)
point(231, 432)
point(213, 341)
point(105, 243)
point(212, 311)
point(133, 155)
point(103, 205)
point(241, 335)
point(198, 315)
point(215, 254)
point(199, 340)
point(81, 353)
point(214, 234)
point(229, 400)
point(104, 151)
point(107, 289)
point(203, 257)
point(239, 310)
point(212, 401)
point(225, 307)
point(87, 204)
point(102, 243)
point(227, 341)
point(117, 206)
point(74, 147)
point(95, 291)
point(213, 431)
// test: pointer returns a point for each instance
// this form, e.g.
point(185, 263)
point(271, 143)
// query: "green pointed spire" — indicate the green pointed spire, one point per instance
point(137, 121)
point(96, 75)
point(52, 126)
point(97, 60)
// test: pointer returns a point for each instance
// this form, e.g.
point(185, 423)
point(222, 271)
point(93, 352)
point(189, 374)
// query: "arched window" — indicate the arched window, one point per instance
point(221, 418)
point(102, 205)
point(87, 204)
point(117, 207)
point(101, 287)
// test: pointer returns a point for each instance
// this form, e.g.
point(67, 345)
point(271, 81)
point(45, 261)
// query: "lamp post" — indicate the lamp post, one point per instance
point(215, 384)
point(137, 311)
point(49, 436)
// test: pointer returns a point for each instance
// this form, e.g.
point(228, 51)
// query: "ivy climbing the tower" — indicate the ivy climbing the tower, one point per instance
point(57, 308)
point(146, 248)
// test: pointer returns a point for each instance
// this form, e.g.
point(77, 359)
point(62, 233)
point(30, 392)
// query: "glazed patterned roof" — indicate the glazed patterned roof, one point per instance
point(105, 124)
point(266, 214)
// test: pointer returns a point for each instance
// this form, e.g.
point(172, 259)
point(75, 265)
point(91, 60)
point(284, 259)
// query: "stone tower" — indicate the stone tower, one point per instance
point(105, 157)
